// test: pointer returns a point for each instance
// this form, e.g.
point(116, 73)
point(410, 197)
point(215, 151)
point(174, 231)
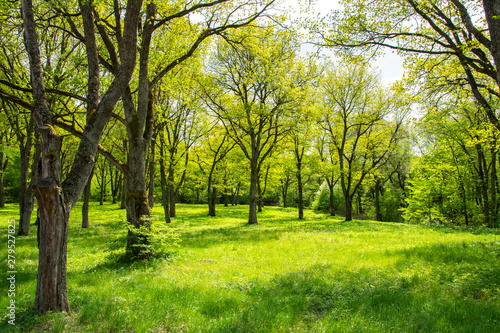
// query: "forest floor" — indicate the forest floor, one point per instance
point(320, 274)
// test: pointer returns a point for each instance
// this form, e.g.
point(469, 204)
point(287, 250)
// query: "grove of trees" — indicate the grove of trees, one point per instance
point(216, 102)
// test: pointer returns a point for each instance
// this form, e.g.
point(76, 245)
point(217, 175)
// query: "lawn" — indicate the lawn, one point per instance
point(321, 274)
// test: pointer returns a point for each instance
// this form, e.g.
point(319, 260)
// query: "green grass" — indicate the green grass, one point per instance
point(283, 275)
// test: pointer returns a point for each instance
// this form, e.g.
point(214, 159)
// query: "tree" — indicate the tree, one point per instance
point(250, 92)
point(457, 30)
point(209, 154)
point(356, 120)
point(56, 197)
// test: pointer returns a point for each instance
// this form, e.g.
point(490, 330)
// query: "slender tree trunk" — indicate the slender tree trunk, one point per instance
point(377, 190)
point(25, 190)
point(464, 203)
point(171, 191)
point(4, 162)
point(237, 194)
point(164, 185)
point(260, 203)
point(86, 201)
point(331, 197)
point(483, 183)
point(348, 207)
point(103, 185)
point(284, 191)
point(493, 187)
point(300, 189)
point(151, 196)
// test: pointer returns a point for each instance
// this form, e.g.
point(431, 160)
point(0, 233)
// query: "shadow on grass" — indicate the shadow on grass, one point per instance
point(313, 300)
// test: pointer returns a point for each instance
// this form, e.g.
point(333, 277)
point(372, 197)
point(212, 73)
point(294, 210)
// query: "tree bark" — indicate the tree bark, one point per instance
point(300, 189)
point(254, 180)
point(151, 195)
point(86, 201)
point(25, 190)
point(164, 185)
point(493, 187)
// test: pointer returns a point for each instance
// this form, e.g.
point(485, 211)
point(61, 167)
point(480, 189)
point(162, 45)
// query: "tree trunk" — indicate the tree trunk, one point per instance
point(151, 195)
point(377, 189)
point(3, 165)
point(493, 204)
point(348, 208)
point(237, 194)
point(254, 180)
point(331, 198)
point(86, 201)
point(464, 202)
point(164, 185)
point(212, 201)
point(136, 203)
point(171, 191)
point(25, 190)
point(103, 185)
point(51, 290)
point(300, 189)
point(483, 183)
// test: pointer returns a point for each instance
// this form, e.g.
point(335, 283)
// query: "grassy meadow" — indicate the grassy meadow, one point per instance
point(321, 274)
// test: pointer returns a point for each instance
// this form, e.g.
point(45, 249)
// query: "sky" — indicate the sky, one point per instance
point(391, 65)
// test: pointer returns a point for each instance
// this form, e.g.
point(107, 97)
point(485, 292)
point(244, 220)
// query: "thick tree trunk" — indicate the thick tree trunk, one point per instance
point(124, 193)
point(212, 201)
point(254, 180)
point(348, 208)
point(136, 203)
point(86, 201)
point(51, 290)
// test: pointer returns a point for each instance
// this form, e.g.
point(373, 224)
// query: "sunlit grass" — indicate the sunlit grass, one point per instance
point(321, 274)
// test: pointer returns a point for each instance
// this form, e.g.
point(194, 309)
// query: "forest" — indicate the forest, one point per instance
point(168, 127)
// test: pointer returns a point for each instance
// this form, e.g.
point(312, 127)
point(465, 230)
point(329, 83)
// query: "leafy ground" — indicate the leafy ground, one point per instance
point(283, 275)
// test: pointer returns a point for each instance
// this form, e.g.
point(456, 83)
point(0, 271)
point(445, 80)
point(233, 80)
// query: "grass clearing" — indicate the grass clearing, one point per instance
point(283, 275)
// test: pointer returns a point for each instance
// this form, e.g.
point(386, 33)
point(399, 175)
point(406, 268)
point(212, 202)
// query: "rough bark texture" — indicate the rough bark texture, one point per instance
point(51, 290)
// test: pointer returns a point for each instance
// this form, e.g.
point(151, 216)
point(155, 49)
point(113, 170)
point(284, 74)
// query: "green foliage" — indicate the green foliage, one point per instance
point(151, 239)
point(321, 202)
